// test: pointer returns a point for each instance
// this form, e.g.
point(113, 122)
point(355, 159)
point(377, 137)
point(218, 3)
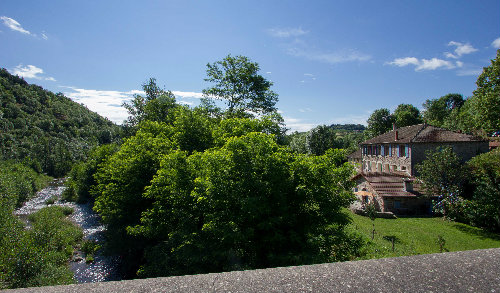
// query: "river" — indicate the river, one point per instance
point(104, 268)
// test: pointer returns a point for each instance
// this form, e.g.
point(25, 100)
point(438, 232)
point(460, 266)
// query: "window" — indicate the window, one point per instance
point(407, 150)
point(397, 204)
point(387, 150)
point(402, 150)
point(390, 150)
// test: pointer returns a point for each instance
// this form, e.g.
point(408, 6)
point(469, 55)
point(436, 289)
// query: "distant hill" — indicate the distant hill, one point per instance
point(47, 131)
point(348, 127)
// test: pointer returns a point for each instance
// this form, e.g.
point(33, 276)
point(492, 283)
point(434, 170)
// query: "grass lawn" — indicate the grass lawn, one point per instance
point(419, 236)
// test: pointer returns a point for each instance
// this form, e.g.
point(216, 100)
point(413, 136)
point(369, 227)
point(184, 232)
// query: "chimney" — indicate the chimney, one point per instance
point(393, 126)
point(396, 135)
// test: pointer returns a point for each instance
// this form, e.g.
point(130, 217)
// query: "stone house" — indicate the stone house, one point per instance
point(387, 165)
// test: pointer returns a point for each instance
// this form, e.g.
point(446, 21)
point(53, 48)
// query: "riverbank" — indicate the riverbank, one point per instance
point(102, 267)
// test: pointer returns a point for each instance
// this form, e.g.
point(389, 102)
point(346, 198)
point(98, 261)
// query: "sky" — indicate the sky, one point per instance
point(330, 61)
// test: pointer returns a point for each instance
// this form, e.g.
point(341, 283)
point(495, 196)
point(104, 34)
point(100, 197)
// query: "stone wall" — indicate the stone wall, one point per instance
point(464, 150)
point(408, 205)
point(363, 190)
point(386, 164)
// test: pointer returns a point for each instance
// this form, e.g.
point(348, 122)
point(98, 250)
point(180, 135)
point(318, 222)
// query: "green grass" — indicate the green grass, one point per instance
point(419, 236)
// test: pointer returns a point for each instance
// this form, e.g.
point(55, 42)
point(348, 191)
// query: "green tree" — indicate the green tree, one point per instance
point(483, 209)
point(320, 139)
point(406, 115)
point(156, 105)
point(249, 204)
point(438, 111)
point(379, 122)
point(297, 142)
point(486, 98)
point(442, 174)
point(238, 84)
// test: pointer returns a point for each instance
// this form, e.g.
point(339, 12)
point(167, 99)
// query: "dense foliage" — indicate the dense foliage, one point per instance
point(37, 256)
point(467, 192)
point(203, 189)
point(47, 131)
point(379, 122)
point(382, 121)
point(322, 138)
point(19, 183)
point(483, 209)
point(249, 204)
point(442, 174)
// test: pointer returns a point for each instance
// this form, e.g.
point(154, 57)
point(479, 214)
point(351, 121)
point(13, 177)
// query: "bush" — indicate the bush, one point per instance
point(19, 183)
point(37, 256)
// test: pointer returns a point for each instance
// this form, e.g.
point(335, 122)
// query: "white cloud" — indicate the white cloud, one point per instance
point(434, 64)
point(354, 119)
point(30, 71)
point(188, 94)
point(44, 36)
point(461, 49)
point(108, 103)
point(295, 124)
point(460, 64)
point(423, 64)
point(286, 32)
point(309, 74)
point(496, 43)
point(105, 103)
point(305, 110)
point(14, 25)
point(330, 58)
point(404, 61)
point(469, 72)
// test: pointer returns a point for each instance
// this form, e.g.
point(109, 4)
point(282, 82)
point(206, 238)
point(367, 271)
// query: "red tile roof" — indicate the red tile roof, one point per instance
point(392, 185)
point(421, 133)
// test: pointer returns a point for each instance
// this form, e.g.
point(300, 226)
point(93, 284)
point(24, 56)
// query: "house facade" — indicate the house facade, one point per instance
point(387, 165)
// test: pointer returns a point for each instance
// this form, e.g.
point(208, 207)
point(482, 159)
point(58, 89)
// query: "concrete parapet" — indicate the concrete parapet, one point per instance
point(464, 271)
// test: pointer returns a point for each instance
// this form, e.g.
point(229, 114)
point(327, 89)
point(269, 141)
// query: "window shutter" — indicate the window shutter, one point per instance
point(407, 151)
point(382, 150)
point(390, 150)
point(397, 150)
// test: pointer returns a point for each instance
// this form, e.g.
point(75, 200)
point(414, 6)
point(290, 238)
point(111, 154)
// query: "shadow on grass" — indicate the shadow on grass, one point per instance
point(477, 232)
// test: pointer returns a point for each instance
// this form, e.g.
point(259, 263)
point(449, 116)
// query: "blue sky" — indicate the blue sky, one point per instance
point(330, 61)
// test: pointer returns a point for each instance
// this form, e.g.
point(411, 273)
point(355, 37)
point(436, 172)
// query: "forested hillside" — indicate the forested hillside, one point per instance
point(47, 131)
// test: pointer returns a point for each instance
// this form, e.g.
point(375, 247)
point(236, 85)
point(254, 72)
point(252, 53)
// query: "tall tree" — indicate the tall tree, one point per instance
point(438, 111)
point(406, 115)
point(156, 105)
point(486, 99)
point(380, 121)
point(238, 84)
point(442, 174)
point(320, 139)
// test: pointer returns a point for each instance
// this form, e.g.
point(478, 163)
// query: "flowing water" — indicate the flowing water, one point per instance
point(104, 268)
